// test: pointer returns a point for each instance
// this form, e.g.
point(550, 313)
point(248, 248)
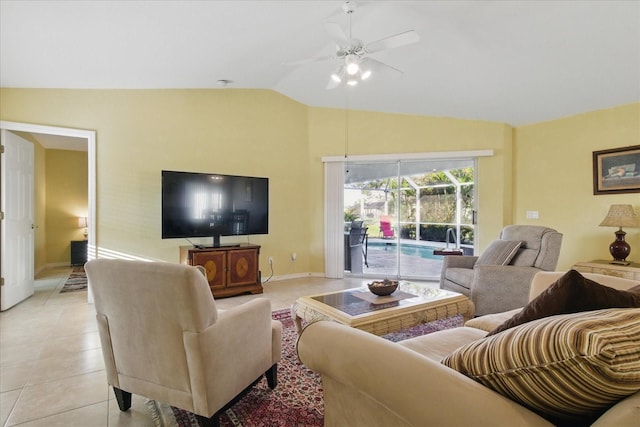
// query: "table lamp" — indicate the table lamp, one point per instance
point(83, 223)
point(620, 216)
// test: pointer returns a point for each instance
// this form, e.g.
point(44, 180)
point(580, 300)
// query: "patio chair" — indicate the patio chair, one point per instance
point(358, 242)
point(386, 231)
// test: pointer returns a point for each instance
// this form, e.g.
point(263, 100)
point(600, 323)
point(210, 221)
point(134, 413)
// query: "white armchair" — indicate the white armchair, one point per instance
point(163, 338)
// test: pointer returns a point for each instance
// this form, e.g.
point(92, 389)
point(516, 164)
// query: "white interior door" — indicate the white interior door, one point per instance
point(16, 231)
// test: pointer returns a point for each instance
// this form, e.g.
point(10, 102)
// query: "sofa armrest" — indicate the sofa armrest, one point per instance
point(247, 329)
point(245, 334)
point(625, 413)
point(456, 261)
point(369, 381)
point(489, 322)
point(497, 288)
point(459, 261)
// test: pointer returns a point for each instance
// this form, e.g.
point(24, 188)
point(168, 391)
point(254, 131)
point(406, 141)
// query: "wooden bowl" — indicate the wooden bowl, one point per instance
point(385, 288)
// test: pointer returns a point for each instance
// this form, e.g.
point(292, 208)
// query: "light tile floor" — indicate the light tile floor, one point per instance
point(51, 368)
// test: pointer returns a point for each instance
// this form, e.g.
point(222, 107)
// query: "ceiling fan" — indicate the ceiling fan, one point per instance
point(352, 55)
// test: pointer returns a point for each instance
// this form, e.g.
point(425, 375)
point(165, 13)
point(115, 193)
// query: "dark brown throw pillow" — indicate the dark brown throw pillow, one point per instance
point(572, 293)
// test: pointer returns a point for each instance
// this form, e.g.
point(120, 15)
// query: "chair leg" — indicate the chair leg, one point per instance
point(123, 398)
point(272, 376)
point(214, 421)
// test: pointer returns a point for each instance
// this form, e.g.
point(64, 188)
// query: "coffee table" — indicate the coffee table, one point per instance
point(410, 305)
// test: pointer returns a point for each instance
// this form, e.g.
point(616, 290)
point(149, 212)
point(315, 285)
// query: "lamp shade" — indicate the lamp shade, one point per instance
point(621, 216)
point(82, 221)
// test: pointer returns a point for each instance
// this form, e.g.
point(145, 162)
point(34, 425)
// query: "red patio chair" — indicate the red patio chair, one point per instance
point(386, 231)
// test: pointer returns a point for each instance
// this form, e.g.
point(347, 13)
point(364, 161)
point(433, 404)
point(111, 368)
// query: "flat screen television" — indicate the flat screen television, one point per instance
point(213, 205)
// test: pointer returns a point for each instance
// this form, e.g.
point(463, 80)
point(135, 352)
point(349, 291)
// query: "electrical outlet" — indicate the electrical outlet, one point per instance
point(294, 256)
point(533, 215)
point(270, 260)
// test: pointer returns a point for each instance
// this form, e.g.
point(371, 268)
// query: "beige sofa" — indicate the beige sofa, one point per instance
point(370, 381)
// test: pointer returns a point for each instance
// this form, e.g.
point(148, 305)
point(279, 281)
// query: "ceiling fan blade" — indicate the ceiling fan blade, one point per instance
point(308, 61)
point(332, 84)
point(336, 78)
point(336, 33)
point(391, 42)
point(378, 67)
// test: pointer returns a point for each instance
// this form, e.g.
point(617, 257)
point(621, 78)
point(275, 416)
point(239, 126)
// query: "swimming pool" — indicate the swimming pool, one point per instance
point(408, 249)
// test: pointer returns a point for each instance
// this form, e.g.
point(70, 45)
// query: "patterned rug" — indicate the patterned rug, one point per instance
point(297, 399)
point(77, 281)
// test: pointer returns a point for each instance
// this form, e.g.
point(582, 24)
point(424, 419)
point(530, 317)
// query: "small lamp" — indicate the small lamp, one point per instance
point(620, 216)
point(83, 223)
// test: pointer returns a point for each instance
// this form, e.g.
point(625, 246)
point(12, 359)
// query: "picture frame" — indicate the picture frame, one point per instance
point(616, 170)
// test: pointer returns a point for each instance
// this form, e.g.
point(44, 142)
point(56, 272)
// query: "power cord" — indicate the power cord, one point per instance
point(271, 266)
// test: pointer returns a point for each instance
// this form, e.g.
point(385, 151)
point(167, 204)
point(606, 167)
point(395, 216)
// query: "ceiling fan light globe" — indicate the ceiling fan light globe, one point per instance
point(352, 68)
point(352, 82)
point(365, 74)
point(336, 78)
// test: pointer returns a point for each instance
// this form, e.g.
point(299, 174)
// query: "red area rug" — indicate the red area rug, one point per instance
point(297, 399)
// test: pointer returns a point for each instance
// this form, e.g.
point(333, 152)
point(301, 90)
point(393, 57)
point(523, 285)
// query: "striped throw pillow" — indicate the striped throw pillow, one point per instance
point(568, 368)
point(499, 252)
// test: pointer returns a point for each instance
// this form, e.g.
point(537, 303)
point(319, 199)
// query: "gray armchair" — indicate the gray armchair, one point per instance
point(496, 287)
point(163, 338)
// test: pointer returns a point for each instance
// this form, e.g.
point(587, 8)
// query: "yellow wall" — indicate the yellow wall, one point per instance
point(379, 133)
point(554, 175)
point(141, 132)
point(263, 133)
point(66, 200)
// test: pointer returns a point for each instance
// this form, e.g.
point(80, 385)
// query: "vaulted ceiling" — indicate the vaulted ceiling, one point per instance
point(517, 62)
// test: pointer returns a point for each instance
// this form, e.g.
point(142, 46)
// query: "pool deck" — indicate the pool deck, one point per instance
point(382, 262)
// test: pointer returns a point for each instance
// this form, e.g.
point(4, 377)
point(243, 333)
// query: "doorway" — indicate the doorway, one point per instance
point(412, 210)
point(334, 180)
point(90, 139)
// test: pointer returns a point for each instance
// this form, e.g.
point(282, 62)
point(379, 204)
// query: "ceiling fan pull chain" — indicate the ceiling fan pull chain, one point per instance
point(349, 12)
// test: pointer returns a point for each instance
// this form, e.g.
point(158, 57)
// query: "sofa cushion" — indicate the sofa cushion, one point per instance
point(499, 252)
point(572, 293)
point(568, 368)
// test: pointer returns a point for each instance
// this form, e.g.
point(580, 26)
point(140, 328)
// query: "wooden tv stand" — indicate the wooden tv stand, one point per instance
point(231, 270)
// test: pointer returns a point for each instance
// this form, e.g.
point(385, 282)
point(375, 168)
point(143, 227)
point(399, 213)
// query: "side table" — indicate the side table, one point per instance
point(79, 252)
point(631, 271)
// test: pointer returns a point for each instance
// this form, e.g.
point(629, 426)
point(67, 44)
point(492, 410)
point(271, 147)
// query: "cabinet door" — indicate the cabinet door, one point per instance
point(243, 267)
point(78, 252)
point(214, 263)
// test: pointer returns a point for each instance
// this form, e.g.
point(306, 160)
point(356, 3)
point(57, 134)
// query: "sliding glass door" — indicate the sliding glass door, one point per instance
point(410, 209)
point(371, 196)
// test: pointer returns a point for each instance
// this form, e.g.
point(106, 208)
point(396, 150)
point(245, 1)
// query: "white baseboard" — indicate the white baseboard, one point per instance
point(292, 276)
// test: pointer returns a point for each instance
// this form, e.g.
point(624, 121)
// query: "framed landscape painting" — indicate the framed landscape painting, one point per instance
point(616, 170)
